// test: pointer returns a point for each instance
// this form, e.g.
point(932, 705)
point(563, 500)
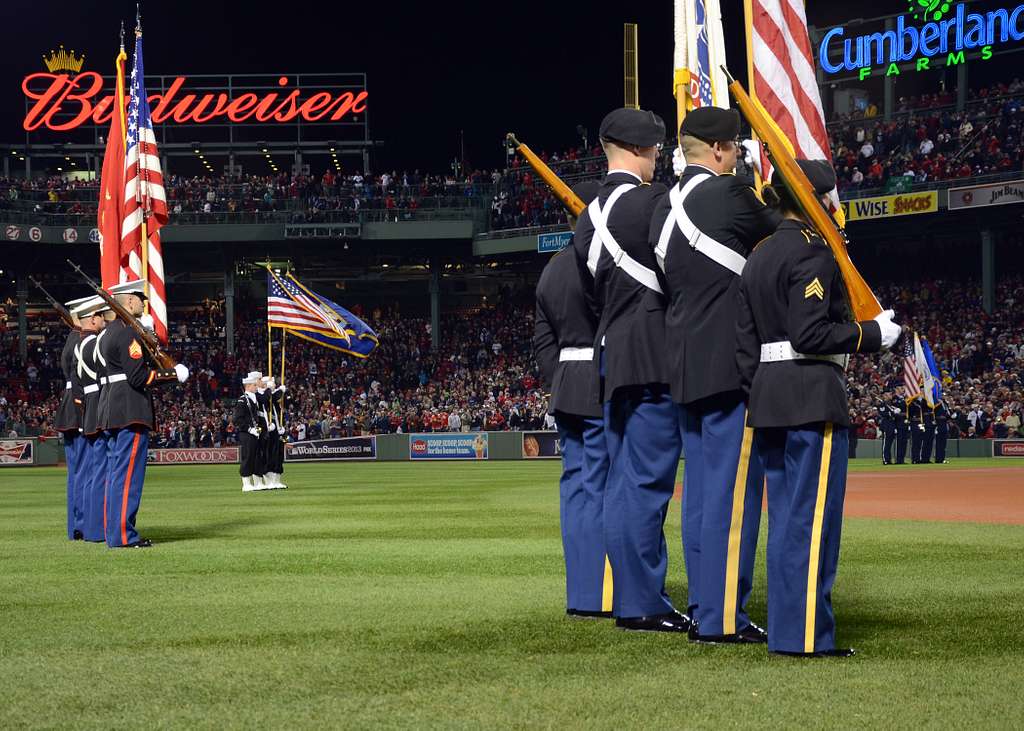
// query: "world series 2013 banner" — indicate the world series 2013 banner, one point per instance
point(194, 455)
point(890, 206)
point(541, 445)
point(318, 450)
point(448, 446)
point(16, 453)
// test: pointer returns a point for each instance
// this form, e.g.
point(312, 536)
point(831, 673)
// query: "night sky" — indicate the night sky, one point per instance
point(536, 68)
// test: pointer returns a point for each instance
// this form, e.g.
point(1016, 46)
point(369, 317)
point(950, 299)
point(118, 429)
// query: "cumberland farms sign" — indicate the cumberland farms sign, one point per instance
point(932, 31)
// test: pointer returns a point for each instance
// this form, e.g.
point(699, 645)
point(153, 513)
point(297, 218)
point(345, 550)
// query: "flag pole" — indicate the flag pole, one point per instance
point(748, 30)
point(270, 357)
point(681, 73)
point(284, 334)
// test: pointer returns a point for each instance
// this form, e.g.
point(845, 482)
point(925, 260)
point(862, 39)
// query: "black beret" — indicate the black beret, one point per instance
point(587, 190)
point(633, 127)
point(820, 173)
point(712, 124)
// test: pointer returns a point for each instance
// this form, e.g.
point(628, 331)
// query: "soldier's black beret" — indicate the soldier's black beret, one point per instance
point(712, 124)
point(587, 190)
point(820, 173)
point(633, 127)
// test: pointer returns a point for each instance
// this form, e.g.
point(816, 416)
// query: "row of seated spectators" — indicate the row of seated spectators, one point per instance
point(483, 376)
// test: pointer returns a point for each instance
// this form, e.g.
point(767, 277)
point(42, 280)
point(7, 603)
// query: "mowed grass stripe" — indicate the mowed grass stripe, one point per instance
point(401, 595)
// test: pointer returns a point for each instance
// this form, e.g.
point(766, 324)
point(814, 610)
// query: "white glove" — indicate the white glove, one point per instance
point(890, 330)
point(752, 155)
point(272, 427)
point(146, 321)
point(254, 430)
point(281, 388)
point(270, 382)
point(678, 162)
point(181, 371)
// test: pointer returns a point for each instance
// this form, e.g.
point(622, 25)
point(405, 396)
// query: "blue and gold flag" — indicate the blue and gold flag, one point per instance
point(302, 312)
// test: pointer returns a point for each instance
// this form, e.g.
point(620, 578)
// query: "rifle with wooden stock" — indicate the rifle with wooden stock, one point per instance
point(63, 311)
point(148, 339)
point(863, 302)
point(563, 192)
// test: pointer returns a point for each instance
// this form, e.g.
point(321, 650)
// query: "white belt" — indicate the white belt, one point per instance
point(93, 388)
point(117, 377)
point(698, 240)
point(575, 354)
point(67, 386)
point(783, 350)
point(599, 217)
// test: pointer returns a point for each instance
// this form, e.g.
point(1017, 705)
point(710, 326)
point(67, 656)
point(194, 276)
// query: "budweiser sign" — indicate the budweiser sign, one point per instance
point(78, 97)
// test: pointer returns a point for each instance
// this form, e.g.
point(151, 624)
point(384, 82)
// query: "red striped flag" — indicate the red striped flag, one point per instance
point(145, 202)
point(781, 67)
point(911, 376)
point(110, 209)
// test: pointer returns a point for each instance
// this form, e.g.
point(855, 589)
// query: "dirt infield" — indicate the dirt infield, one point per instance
point(974, 495)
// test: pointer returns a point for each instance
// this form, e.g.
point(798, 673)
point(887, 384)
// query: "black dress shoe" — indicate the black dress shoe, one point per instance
point(142, 543)
point(583, 614)
point(835, 652)
point(749, 635)
point(671, 622)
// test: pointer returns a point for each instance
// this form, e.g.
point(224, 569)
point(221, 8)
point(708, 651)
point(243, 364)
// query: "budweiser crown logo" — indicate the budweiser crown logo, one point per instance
point(63, 61)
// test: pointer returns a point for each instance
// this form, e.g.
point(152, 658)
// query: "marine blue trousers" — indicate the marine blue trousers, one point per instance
point(723, 485)
point(806, 470)
point(126, 471)
point(74, 448)
point(588, 585)
point(642, 433)
point(95, 481)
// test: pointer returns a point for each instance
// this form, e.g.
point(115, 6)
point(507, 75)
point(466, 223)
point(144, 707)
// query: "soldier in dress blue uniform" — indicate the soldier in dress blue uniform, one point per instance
point(94, 458)
point(887, 428)
point(247, 421)
point(702, 233)
point(915, 420)
point(794, 331)
point(902, 432)
point(941, 431)
point(563, 341)
point(928, 435)
point(68, 421)
point(126, 414)
point(626, 290)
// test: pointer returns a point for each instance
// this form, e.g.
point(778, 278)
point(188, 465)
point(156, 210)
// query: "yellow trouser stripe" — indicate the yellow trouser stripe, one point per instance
point(732, 557)
point(606, 591)
point(812, 563)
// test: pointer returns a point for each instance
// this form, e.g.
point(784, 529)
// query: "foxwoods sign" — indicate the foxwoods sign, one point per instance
point(930, 34)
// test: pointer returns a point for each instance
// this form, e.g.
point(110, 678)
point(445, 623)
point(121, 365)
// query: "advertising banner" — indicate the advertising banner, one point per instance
point(321, 450)
point(194, 455)
point(15, 452)
point(541, 445)
point(1008, 447)
point(980, 196)
point(448, 446)
point(890, 206)
point(548, 243)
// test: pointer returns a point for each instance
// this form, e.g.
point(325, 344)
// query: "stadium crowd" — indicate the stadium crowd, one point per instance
point(483, 376)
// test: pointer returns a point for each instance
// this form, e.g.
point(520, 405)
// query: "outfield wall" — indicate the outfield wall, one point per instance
point(438, 446)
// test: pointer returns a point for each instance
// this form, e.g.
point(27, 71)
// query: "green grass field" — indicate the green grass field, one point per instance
point(431, 595)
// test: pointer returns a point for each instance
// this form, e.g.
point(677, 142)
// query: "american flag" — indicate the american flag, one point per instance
point(144, 197)
point(290, 307)
point(911, 376)
point(782, 78)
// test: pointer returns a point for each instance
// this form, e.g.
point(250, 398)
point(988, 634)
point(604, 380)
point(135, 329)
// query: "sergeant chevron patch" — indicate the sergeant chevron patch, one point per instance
point(814, 289)
point(135, 350)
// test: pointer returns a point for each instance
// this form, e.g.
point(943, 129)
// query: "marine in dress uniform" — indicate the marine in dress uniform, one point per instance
point(626, 292)
point(887, 426)
point(902, 431)
point(702, 233)
point(563, 342)
point(94, 457)
point(126, 414)
point(68, 421)
point(915, 421)
point(249, 427)
point(794, 332)
point(276, 434)
point(941, 431)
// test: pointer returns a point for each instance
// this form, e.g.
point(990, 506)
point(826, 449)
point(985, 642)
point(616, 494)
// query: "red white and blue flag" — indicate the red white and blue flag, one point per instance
point(144, 198)
point(700, 50)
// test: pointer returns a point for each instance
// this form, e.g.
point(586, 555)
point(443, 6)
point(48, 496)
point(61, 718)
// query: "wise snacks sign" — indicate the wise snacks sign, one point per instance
point(932, 31)
point(61, 102)
point(888, 206)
